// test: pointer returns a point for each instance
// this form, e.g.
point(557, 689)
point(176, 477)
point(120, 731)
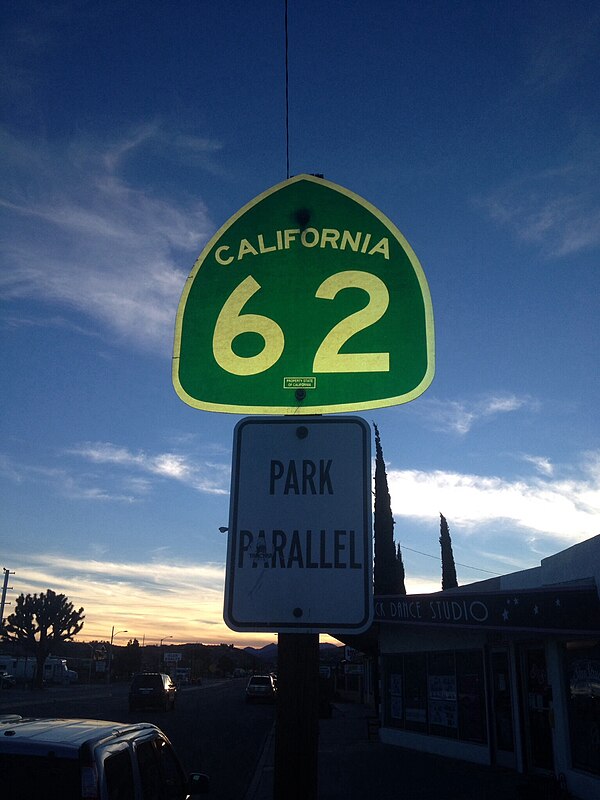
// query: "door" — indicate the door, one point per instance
point(538, 711)
point(502, 710)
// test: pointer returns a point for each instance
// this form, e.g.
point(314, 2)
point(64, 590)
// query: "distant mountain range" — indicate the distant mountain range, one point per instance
point(269, 651)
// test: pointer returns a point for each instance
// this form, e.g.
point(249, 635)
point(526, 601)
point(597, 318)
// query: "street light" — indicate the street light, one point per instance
point(112, 636)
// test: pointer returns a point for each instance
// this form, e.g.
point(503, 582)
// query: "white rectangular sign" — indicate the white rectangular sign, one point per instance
point(299, 552)
point(172, 657)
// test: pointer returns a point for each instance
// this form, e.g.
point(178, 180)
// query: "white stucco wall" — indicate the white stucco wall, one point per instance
point(576, 563)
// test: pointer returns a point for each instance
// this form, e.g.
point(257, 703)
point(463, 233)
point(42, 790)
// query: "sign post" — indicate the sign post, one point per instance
point(299, 561)
point(297, 728)
point(308, 301)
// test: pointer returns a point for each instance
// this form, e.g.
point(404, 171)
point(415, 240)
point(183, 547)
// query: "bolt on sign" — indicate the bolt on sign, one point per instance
point(309, 300)
point(299, 547)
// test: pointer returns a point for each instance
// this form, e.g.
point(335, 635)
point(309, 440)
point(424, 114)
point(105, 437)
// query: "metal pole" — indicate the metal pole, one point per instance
point(112, 636)
point(297, 727)
point(5, 588)
point(160, 663)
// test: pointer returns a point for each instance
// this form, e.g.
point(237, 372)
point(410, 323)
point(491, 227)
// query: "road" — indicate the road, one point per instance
point(212, 728)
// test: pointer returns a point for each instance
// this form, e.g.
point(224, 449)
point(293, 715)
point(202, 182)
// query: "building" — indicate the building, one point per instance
point(504, 671)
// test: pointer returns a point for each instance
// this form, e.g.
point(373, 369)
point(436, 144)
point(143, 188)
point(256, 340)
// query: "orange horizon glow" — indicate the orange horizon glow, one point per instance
point(146, 601)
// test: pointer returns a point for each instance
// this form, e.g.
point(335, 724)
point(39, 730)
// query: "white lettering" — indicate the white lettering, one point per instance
point(314, 233)
point(218, 258)
point(481, 609)
point(329, 236)
point(245, 248)
point(262, 247)
point(290, 236)
point(310, 237)
point(278, 549)
point(353, 242)
point(382, 247)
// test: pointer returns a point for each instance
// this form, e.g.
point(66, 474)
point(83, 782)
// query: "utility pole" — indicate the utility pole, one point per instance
point(110, 652)
point(5, 588)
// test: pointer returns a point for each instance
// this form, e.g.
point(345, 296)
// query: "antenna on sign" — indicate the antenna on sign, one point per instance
point(287, 98)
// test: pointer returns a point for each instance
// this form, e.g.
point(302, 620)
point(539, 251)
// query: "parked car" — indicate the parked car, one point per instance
point(87, 758)
point(152, 690)
point(261, 687)
point(7, 681)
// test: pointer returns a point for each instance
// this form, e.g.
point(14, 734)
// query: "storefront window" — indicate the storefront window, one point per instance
point(394, 706)
point(582, 662)
point(396, 699)
point(471, 696)
point(441, 684)
point(538, 720)
point(441, 694)
point(415, 692)
point(502, 701)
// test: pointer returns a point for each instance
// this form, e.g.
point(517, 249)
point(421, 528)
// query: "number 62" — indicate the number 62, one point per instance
point(231, 323)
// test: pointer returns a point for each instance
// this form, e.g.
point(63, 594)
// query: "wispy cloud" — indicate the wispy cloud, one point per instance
point(79, 234)
point(63, 323)
point(460, 416)
point(557, 209)
point(563, 49)
point(204, 477)
point(561, 224)
point(129, 476)
point(564, 508)
point(71, 484)
point(541, 463)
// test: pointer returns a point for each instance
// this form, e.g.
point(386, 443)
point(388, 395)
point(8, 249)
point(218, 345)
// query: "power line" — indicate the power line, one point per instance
point(287, 98)
point(437, 558)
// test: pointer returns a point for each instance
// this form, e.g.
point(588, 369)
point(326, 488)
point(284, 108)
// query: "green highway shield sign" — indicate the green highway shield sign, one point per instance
point(307, 301)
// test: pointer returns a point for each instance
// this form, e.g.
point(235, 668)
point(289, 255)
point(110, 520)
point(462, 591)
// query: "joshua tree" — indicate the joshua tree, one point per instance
point(449, 580)
point(41, 621)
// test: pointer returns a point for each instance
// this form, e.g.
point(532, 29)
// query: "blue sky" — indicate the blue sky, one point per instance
point(131, 132)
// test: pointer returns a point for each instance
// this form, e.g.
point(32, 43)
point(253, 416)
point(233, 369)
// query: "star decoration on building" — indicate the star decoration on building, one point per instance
point(505, 615)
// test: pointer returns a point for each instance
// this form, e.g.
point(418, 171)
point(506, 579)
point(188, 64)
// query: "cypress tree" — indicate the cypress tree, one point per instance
point(389, 569)
point(400, 574)
point(449, 580)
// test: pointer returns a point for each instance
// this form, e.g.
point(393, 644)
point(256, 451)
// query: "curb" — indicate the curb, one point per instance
point(261, 769)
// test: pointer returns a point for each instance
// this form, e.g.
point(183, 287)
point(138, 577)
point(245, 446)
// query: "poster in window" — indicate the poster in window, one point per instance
point(415, 692)
point(442, 713)
point(442, 687)
point(396, 709)
point(396, 706)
